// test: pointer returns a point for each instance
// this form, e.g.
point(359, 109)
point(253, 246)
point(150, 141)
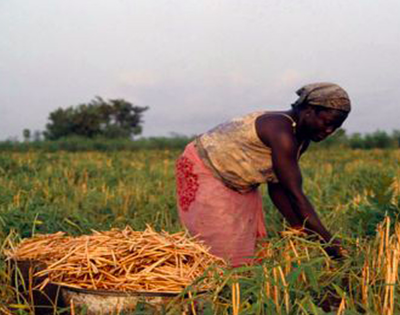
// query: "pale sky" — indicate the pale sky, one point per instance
point(196, 63)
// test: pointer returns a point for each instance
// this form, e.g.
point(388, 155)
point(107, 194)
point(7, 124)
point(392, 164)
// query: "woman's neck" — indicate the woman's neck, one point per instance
point(296, 116)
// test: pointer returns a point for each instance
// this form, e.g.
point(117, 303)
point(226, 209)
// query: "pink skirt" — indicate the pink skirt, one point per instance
point(227, 221)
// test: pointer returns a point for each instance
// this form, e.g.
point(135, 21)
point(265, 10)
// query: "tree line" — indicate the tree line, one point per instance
point(113, 124)
point(375, 140)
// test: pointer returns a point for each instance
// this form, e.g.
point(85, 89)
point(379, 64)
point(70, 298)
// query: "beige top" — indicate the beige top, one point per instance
point(236, 155)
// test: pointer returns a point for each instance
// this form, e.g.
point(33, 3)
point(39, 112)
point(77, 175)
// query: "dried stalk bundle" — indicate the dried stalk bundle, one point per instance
point(123, 260)
point(40, 248)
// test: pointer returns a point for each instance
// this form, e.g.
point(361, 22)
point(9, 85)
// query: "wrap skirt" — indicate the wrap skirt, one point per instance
point(227, 221)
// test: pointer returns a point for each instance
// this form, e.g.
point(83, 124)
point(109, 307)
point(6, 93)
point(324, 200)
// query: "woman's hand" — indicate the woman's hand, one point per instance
point(336, 251)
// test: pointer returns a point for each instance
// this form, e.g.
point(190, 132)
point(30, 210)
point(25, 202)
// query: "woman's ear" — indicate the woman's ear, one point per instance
point(308, 111)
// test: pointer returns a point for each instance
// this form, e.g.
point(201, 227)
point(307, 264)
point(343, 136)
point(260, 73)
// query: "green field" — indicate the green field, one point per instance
point(352, 190)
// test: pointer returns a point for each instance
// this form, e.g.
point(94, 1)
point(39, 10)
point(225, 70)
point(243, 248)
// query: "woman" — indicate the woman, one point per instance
point(218, 173)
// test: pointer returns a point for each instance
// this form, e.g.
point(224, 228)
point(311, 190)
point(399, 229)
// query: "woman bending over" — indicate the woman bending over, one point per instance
point(218, 174)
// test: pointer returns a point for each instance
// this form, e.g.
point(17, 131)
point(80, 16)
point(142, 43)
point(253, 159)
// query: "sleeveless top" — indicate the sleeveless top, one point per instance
point(235, 154)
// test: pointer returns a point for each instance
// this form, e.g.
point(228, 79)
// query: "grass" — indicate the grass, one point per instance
point(354, 191)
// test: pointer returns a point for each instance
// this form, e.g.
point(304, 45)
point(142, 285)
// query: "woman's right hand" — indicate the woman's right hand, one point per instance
point(336, 251)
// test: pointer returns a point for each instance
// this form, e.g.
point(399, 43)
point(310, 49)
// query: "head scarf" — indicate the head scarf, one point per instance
point(324, 94)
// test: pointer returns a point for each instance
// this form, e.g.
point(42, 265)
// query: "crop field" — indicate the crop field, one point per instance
point(356, 193)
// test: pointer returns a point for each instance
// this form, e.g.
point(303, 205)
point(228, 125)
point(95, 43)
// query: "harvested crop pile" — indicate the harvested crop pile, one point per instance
point(120, 260)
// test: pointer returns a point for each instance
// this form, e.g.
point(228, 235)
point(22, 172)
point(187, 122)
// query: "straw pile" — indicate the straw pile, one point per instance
point(123, 260)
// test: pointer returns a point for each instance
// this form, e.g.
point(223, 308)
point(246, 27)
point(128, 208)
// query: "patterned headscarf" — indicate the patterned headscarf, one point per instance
point(324, 94)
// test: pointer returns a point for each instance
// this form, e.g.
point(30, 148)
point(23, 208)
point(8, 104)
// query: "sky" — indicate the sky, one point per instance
point(196, 63)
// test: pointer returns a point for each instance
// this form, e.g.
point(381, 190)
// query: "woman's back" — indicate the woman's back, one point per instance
point(236, 155)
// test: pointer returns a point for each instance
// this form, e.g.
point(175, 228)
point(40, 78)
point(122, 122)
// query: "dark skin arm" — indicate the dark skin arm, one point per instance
point(277, 133)
point(281, 201)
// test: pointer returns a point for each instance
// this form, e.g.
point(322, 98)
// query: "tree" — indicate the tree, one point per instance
point(37, 135)
point(27, 134)
point(111, 119)
point(396, 137)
